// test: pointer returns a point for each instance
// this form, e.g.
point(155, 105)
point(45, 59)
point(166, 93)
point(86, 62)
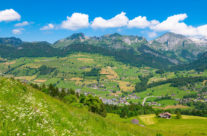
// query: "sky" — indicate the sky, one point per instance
point(51, 20)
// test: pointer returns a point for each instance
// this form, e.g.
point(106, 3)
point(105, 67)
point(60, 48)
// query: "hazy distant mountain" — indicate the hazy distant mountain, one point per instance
point(10, 41)
point(28, 49)
point(178, 46)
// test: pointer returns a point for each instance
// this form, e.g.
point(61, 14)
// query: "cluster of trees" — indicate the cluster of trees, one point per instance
point(166, 97)
point(69, 96)
point(93, 72)
point(190, 96)
point(44, 70)
point(129, 110)
point(178, 82)
point(142, 85)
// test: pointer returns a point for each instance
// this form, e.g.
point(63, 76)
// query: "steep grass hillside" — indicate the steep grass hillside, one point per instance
point(26, 111)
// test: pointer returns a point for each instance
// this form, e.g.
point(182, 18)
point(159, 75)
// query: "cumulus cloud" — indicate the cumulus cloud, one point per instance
point(9, 15)
point(119, 20)
point(172, 22)
point(76, 21)
point(141, 22)
point(25, 23)
point(202, 30)
point(17, 31)
point(48, 27)
point(176, 24)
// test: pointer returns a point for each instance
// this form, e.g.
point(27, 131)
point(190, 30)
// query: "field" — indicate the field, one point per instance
point(187, 126)
point(112, 79)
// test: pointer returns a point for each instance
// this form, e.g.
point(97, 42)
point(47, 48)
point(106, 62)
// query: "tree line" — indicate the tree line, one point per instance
point(69, 96)
point(174, 82)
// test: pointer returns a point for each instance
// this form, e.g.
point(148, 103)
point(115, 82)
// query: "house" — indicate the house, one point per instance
point(165, 115)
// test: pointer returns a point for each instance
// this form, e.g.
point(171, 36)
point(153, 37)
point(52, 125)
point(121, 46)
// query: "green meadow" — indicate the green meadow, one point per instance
point(112, 80)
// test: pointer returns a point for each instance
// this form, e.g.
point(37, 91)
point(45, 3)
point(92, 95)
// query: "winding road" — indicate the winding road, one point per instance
point(146, 99)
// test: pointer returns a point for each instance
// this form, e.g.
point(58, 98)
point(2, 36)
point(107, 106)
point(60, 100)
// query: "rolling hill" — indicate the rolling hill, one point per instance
point(26, 111)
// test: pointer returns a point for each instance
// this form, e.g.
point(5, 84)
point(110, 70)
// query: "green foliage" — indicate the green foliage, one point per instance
point(70, 99)
point(93, 72)
point(131, 110)
point(178, 115)
point(53, 90)
point(160, 71)
point(95, 105)
point(45, 70)
point(179, 82)
point(142, 85)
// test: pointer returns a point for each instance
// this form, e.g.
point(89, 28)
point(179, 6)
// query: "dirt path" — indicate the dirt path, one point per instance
point(146, 99)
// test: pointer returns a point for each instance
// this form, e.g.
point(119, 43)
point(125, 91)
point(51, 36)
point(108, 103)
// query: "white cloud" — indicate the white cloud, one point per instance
point(202, 30)
point(119, 20)
point(171, 23)
point(48, 27)
point(152, 34)
point(17, 31)
point(141, 22)
point(9, 15)
point(76, 21)
point(25, 23)
point(175, 24)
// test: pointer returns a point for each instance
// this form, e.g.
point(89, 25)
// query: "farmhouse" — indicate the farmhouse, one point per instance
point(165, 115)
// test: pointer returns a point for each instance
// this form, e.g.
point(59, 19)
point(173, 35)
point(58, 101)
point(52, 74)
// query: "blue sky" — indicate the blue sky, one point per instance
point(50, 20)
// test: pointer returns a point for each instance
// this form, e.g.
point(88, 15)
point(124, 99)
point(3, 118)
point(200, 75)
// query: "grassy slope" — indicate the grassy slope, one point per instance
point(26, 111)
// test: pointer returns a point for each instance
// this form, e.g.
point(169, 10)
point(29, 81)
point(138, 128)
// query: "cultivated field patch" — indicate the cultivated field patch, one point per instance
point(86, 60)
point(178, 106)
point(109, 72)
point(29, 78)
point(10, 62)
point(40, 80)
point(192, 117)
point(126, 86)
point(148, 119)
point(77, 80)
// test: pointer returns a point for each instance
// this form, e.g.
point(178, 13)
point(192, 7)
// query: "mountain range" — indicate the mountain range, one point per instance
point(165, 51)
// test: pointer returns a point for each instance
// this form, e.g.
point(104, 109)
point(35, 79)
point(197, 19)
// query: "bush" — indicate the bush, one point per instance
point(178, 115)
point(70, 99)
